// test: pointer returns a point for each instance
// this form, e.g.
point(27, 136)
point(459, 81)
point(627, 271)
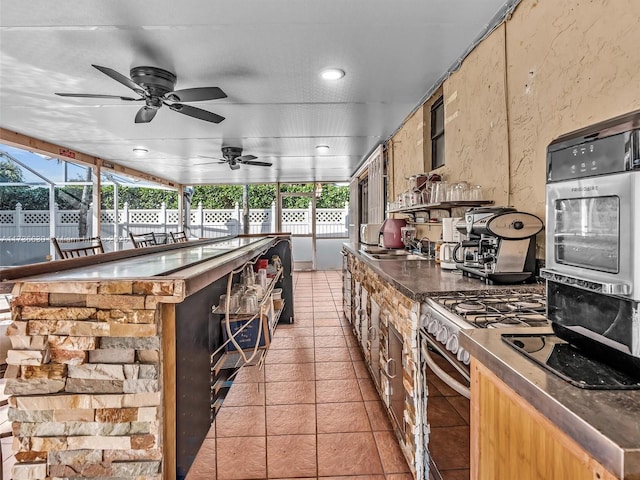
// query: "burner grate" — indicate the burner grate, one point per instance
point(497, 310)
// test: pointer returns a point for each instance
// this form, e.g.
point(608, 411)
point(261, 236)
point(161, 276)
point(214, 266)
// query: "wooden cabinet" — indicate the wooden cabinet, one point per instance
point(512, 440)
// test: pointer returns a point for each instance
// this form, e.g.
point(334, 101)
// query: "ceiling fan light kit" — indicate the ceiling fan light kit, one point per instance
point(155, 86)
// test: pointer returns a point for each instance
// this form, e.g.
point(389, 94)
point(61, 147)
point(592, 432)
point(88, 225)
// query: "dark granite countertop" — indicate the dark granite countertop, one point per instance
point(606, 424)
point(420, 279)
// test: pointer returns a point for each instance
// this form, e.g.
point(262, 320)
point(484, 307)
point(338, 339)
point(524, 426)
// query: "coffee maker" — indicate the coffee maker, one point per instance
point(500, 245)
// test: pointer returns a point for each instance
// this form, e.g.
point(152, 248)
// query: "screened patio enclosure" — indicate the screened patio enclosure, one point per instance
point(43, 197)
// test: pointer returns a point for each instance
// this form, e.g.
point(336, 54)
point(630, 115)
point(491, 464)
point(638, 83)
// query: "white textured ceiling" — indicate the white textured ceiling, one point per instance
point(265, 54)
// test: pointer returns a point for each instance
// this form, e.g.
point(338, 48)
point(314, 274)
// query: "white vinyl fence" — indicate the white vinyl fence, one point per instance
point(25, 234)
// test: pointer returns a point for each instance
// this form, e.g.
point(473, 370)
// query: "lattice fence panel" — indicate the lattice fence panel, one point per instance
point(293, 216)
point(7, 218)
point(217, 216)
point(30, 218)
point(173, 217)
point(144, 217)
point(107, 217)
point(330, 216)
point(69, 217)
point(259, 216)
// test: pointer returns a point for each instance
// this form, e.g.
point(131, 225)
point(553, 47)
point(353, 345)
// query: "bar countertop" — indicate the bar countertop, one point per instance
point(196, 263)
point(420, 279)
point(605, 423)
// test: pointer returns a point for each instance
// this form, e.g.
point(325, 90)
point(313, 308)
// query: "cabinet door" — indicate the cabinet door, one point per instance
point(374, 343)
point(510, 439)
point(364, 320)
point(394, 371)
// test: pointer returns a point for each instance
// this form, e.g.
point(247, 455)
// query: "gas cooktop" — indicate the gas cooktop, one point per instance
point(497, 310)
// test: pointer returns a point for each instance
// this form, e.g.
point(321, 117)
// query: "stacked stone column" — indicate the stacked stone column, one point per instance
point(85, 378)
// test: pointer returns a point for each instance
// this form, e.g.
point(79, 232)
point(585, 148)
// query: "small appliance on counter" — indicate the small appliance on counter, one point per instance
point(370, 233)
point(391, 233)
point(500, 246)
point(451, 237)
point(593, 242)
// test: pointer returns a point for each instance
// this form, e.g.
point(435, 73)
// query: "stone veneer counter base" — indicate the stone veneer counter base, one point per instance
point(92, 368)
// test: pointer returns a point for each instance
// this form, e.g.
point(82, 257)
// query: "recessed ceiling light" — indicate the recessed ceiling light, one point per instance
point(322, 148)
point(140, 150)
point(332, 74)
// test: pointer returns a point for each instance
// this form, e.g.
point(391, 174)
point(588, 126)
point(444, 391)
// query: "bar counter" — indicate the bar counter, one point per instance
point(110, 368)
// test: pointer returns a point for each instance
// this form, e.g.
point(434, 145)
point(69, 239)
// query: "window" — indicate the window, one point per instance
point(437, 134)
point(363, 189)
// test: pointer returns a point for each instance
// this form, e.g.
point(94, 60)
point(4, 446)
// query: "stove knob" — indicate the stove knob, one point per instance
point(433, 326)
point(463, 356)
point(452, 344)
point(442, 334)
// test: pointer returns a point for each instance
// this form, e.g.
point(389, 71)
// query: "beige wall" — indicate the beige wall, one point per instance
point(476, 138)
point(407, 152)
point(564, 65)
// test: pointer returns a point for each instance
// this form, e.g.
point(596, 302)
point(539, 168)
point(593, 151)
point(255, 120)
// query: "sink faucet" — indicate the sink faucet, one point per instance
point(420, 246)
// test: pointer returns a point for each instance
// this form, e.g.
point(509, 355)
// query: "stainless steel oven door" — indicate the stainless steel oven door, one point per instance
point(425, 344)
point(593, 225)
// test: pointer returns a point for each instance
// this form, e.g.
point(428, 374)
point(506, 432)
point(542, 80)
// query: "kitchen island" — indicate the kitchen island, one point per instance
point(110, 367)
point(385, 301)
point(528, 423)
point(555, 430)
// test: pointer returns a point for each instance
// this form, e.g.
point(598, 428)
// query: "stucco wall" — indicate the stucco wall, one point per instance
point(564, 65)
point(407, 153)
point(476, 138)
point(570, 64)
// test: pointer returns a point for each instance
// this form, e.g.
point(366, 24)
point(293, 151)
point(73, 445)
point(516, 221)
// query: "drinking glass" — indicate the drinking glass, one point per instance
point(439, 192)
point(475, 193)
point(459, 191)
point(262, 278)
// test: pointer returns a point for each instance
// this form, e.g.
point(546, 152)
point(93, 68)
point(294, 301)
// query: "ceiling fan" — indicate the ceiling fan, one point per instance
point(156, 88)
point(233, 156)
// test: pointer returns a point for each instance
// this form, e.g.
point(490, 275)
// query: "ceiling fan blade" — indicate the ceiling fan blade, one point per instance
point(118, 77)
point(208, 163)
point(91, 95)
point(196, 112)
point(196, 94)
point(244, 158)
point(262, 164)
point(146, 114)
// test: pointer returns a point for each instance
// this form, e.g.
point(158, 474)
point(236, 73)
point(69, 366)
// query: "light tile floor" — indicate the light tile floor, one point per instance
point(312, 411)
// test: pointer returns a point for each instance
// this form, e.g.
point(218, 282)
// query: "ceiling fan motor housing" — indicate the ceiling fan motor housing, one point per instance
point(157, 81)
point(231, 152)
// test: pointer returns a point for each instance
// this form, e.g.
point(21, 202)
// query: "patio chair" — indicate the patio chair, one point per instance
point(179, 237)
point(77, 247)
point(143, 239)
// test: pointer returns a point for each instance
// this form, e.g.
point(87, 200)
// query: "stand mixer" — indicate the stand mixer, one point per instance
point(500, 246)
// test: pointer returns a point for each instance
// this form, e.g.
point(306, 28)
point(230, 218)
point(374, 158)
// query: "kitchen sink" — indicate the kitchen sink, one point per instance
point(379, 253)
